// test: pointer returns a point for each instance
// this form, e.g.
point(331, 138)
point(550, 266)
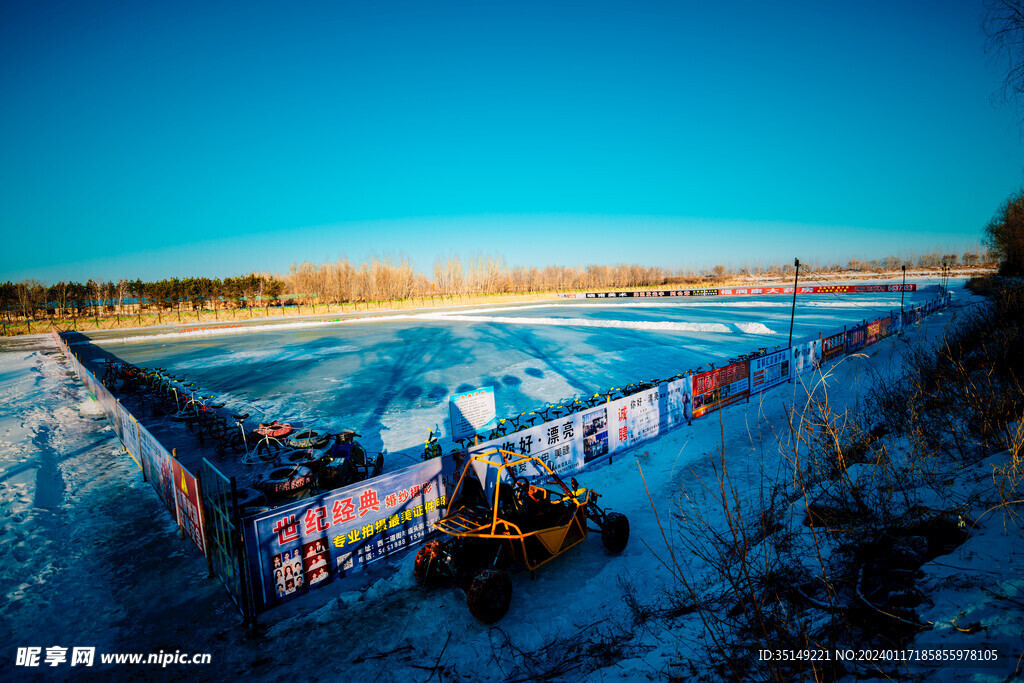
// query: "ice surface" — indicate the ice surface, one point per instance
point(388, 377)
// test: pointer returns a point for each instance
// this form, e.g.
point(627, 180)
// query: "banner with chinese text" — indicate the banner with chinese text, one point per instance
point(317, 541)
point(720, 387)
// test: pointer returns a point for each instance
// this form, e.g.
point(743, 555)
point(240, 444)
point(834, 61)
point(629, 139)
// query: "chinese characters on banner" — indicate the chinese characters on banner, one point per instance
point(872, 336)
point(568, 444)
point(768, 371)
point(316, 541)
point(557, 443)
point(129, 434)
point(833, 346)
point(472, 412)
point(186, 495)
point(855, 338)
point(720, 387)
point(758, 291)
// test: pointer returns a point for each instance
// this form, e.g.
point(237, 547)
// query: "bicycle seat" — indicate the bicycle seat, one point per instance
point(239, 417)
point(216, 406)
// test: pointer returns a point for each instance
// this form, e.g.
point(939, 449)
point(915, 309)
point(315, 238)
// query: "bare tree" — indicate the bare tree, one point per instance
point(1004, 38)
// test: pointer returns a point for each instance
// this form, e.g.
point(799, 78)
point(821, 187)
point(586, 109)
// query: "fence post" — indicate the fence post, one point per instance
point(248, 611)
point(204, 525)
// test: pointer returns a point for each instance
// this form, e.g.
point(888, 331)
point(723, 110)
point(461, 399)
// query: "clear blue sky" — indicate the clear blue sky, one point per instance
point(150, 140)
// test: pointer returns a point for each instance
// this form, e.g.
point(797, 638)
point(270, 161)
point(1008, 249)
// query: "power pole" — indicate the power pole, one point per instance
point(792, 315)
point(903, 292)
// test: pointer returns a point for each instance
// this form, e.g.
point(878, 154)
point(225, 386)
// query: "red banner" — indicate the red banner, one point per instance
point(834, 346)
point(186, 494)
point(718, 388)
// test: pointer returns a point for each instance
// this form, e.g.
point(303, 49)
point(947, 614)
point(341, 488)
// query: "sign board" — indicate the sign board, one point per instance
point(833, 346)
point(186, 495)
point(720, 387)
point(769, 370)
point(472, 412)
point(158, 466)
point(321, 540)
point(807, 356)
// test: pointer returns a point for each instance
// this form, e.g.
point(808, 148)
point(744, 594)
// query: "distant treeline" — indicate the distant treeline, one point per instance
point(390, 279)
point(127, 297)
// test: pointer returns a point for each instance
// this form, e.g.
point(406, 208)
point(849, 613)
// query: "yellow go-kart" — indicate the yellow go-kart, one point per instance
point(512, 519)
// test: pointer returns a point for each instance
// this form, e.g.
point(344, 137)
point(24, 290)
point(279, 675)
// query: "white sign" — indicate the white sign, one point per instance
point(472, 412)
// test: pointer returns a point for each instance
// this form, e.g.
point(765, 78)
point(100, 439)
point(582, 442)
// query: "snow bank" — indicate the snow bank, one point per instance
point(660, 325)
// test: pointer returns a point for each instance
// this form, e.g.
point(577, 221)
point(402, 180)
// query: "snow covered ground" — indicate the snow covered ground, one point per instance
point(88, 557)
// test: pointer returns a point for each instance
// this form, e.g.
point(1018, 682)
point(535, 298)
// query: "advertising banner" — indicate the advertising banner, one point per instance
point(680, 402)
point(896, 323)
point(872, 334)
point(833, 347)
point(472, 412)
point(769, 370)
point(559, 443)
point(186, 496)
point(883, 327)
point(720, 387)
point(807, 356)
point(129, 433)
point(318, 541)
point(158, 461)
point(756, 291)
point(855, 339)
point(569, 444)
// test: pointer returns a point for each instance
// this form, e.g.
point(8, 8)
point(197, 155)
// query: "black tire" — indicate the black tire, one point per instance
point(489, 595)
point(615, 532)
point(285, 481)
point(306, 457)
point(427, 567)
point(307, 439)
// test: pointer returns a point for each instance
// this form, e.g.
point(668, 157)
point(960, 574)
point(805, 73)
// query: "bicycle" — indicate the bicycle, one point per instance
point(263, 451)
point(431, 447)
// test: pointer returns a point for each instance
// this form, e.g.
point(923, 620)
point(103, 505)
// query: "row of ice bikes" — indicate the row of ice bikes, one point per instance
point(298, 463)
point(554, 411)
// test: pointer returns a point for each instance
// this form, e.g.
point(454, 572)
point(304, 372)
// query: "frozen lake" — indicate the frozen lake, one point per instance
point(389, 378)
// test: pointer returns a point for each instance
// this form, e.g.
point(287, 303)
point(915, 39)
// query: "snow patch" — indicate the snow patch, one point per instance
point(583, 322)
point(755, 328)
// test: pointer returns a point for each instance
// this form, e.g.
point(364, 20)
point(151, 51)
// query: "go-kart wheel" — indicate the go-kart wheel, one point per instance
point(489, 595)
point(615, 532)
point(427, 568)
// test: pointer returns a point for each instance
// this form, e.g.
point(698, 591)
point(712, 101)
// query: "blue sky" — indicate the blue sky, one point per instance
point(154, 140)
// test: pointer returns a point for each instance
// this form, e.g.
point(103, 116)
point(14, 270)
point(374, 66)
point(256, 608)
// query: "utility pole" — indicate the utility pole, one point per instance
point(903, 292)
point(792, 315)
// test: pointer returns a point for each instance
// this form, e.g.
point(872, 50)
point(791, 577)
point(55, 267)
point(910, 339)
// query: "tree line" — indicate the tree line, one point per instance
point(390, 279)
point(29, 298)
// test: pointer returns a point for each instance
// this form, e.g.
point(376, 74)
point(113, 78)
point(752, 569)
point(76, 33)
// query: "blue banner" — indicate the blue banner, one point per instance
point(856, 338)
point(313, 542)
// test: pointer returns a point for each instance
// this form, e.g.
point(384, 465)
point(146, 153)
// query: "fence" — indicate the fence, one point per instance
point(273, 557)
point(178, 489)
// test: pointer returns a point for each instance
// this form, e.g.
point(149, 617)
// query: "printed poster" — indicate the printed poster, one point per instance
point(186, 496)
point(769, 370)
point(317, 541)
